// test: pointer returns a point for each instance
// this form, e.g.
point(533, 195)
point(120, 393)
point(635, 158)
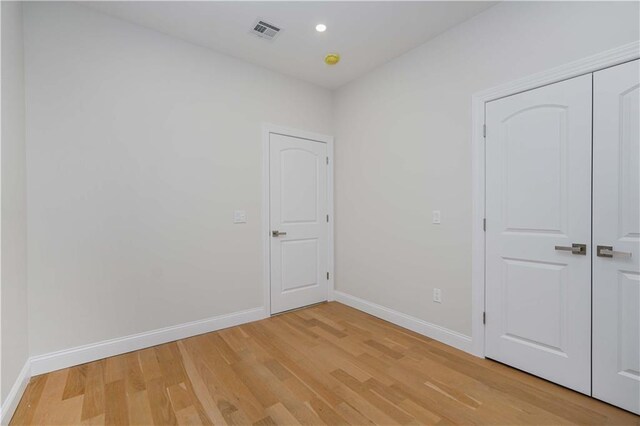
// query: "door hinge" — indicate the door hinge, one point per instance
point(327, 218)
point(327, 160)
point(484, 224)
point(327, 275)
point(484, 317)
point(484, 130)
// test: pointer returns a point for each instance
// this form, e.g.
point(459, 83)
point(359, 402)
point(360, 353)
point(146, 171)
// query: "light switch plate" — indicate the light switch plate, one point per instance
point(239, 216)
point(437, 295)
point(435, 216)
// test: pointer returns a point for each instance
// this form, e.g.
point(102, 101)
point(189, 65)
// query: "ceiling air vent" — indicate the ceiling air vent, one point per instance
point(265, 30)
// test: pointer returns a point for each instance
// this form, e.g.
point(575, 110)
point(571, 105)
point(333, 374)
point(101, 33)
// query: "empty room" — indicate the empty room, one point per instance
point(320, 212)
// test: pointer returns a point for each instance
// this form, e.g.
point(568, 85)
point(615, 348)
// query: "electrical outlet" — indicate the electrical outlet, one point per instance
point(435, 217)
point(239, 216)
point(437, 295)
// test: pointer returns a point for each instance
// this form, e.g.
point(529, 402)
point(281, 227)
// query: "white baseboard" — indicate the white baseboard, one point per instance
point(9, 405)
point(75, 356)
point(80, 355)
point(436, 332)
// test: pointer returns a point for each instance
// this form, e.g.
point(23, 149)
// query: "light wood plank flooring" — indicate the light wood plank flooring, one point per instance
point(327, 364)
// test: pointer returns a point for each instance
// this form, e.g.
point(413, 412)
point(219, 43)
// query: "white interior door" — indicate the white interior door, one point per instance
point(616, 226)
point(299, 228)
point(538, 204)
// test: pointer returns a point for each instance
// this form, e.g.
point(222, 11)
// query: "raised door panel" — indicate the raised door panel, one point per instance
point(300, 259)
point(628, 170)
point(527, 286)
point(535, 138)
point(299, 170)
point(628, 346)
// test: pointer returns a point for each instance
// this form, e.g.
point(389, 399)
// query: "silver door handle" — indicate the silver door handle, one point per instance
point(580, 249)
point(277, 233)
point(607, 251)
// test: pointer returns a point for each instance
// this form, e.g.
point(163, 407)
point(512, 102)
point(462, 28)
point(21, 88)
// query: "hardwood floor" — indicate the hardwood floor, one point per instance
point(327, 364)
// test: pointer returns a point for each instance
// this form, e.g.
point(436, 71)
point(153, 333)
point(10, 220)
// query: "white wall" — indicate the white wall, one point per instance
point(403, 148)
point(13, 278)
point(139, 147)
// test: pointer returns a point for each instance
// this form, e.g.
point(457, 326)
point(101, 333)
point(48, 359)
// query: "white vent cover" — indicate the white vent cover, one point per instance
point(265, 30)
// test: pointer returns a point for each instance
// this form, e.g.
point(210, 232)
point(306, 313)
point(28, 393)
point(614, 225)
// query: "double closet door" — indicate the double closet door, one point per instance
point(563, 233)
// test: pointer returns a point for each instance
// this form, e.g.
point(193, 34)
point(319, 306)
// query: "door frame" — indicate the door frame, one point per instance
point(267, 130)
point(625, 53)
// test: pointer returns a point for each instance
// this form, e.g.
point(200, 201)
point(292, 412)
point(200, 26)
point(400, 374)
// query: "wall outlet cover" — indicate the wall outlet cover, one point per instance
point(239, 216)
point(435, 216)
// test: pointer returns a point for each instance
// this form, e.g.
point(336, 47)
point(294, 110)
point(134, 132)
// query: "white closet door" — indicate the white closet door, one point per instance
point(538, 203)
point(299, 229)
point(616, 227)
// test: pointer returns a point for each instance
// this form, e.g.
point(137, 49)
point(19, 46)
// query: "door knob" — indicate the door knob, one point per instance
point(580, 249)
point(277, 233)
point(607, 251)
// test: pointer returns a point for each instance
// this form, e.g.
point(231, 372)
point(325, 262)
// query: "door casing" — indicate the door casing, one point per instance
point(267, 130)
point(609, 58)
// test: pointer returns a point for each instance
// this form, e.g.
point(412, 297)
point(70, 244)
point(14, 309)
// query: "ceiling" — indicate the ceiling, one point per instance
point(365, 34)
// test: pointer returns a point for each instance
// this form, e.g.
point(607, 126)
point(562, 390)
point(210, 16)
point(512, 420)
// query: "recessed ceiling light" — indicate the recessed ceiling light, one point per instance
point(321, 28)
